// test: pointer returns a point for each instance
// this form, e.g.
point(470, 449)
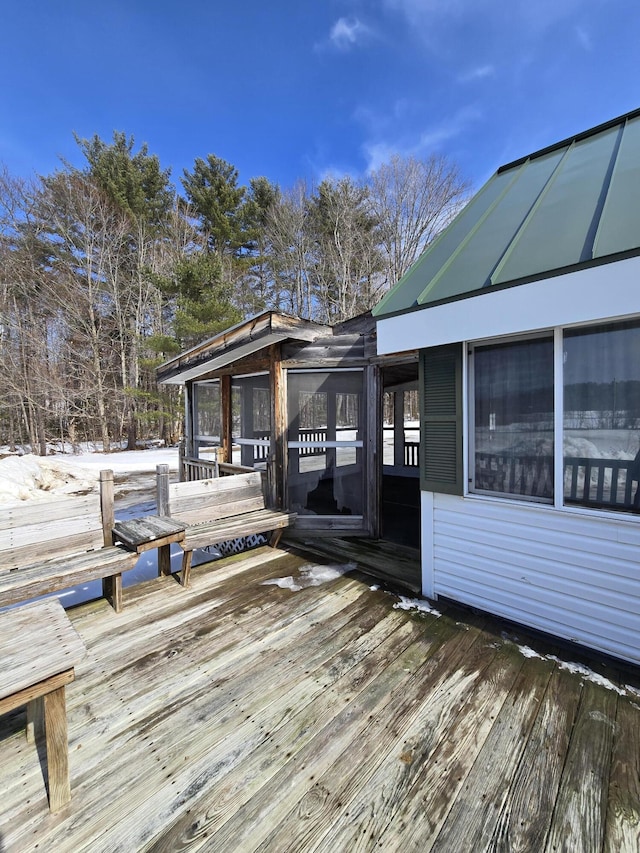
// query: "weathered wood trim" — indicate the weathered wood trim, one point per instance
point(334, 523)
point(106, 505)
point(162, 489)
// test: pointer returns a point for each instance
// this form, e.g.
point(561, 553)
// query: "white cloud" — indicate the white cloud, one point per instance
point(348, 32)
point(479, 73)
point(421, 144)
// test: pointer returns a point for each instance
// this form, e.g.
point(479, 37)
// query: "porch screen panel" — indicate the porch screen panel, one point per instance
point(251, 420)
point(325, 442)
point(206, 415)
point(513, 435)
point(601, 423)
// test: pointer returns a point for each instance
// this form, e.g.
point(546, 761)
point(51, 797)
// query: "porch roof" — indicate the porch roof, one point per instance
point(245, 338)
point(569, 206)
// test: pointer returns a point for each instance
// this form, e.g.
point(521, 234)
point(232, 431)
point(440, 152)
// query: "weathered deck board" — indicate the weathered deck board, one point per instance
point(385, 773)
point(623, 814)
point(242, 716)
point(581, 807)
point(527, 811)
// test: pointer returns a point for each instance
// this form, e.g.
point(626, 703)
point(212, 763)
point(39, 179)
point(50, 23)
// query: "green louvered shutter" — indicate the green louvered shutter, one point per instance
point(441, 419)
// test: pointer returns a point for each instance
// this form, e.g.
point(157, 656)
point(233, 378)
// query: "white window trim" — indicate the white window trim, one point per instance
point(468, 437)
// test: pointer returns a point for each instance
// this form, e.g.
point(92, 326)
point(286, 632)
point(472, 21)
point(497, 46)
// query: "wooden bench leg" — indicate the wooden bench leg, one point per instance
point(112, 591)
point(164, 560)
point(275, 537)
point(35, 719)
point(55, 724)
point(186, 568)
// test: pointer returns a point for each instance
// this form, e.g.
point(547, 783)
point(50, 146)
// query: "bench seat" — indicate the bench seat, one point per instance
point(54, 544)
point(246, 524)
point(106, 564)
point(217, 510)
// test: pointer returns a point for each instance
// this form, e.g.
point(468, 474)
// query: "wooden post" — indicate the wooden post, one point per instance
point(373, 445)
point(106, 506)
point(225, 426)
point(279, 428)
point(162, 490)
point(181, 462)
point(163, 508)
point(35, 719)
point(112, 591)
point(188, 420)
point(55, 724)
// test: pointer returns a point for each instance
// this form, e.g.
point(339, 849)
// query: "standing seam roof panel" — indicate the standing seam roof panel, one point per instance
point(558, 231)
point(471, 267)
point(408, 290)
point(619, 229)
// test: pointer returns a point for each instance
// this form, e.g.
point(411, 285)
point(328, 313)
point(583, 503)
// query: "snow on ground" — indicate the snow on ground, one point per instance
point(418, 604)
point(311, 574)
point(36, 478)
point(33, 478)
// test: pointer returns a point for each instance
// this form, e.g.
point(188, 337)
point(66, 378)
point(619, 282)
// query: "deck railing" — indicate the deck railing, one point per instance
point(606, 483)
point(412, 454)
point(601, 482)
point(530, 476)
point(198, 469)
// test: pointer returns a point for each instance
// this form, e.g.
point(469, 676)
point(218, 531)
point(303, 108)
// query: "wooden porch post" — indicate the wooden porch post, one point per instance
point(373, 445)
point(189, 449)
point(279, 428)
point(225, 426)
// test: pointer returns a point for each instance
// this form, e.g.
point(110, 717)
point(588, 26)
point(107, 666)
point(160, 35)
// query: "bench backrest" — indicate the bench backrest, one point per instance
point(56, 527)
point(219, 497)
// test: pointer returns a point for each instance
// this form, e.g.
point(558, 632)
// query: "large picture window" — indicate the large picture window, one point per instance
point(601, 435)
point(513, 434)
point(514, 430)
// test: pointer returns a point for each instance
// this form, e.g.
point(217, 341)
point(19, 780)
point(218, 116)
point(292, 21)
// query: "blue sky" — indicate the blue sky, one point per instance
point(305, 88)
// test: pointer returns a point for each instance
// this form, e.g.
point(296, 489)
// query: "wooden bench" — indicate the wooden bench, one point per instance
point(39, 649)
point(218, 510)
point(150, 532)
point(47, 546)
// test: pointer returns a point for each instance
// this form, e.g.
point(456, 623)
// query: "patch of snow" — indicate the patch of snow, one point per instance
point(374, 588)
point(585, 672)
point(311, 574)
point(415, 604)
point(528, 652)
point(33, 478)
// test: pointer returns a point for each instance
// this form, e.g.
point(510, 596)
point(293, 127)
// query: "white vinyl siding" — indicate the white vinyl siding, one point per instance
point(571, 574)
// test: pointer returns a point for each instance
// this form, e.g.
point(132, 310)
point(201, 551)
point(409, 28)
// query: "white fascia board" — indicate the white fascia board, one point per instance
point(603, 292)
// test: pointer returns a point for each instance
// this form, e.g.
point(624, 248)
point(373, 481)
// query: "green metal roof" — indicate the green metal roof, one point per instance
point(573, 204)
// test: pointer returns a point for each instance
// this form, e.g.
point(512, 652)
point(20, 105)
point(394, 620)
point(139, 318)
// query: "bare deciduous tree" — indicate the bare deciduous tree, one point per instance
point(413, 200)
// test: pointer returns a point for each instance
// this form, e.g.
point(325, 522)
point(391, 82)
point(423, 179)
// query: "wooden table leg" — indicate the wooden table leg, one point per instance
point(55, 723)
point(35, 719)
point(164, 560)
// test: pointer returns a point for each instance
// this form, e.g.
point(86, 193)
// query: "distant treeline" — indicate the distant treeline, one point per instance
point(107, 270)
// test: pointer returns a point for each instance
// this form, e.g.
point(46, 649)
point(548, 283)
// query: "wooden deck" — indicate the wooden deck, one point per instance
point(238, 716)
